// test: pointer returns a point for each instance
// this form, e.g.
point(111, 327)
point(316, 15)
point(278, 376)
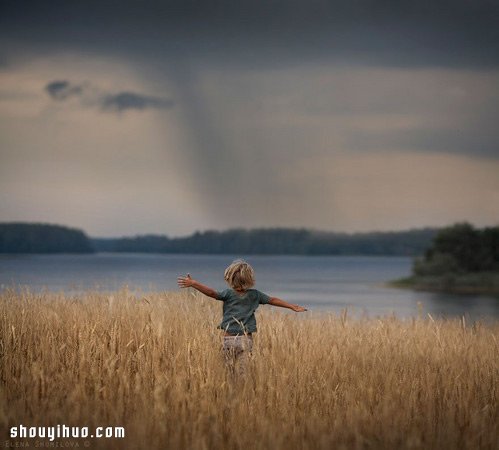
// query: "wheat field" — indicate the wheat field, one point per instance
point(152, 364)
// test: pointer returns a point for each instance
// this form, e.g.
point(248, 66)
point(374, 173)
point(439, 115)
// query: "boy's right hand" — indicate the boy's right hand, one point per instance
point(185, 282)
point(298, 308)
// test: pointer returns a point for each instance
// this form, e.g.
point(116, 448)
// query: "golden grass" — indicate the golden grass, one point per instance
point(315, 382)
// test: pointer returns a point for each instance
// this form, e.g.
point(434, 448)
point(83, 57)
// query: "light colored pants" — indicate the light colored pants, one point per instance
point(237, 351)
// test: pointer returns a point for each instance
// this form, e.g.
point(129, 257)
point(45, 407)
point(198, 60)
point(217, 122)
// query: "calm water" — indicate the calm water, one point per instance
point(320, 283)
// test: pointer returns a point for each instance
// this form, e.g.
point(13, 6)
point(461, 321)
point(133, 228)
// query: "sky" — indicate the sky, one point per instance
point(133, 117)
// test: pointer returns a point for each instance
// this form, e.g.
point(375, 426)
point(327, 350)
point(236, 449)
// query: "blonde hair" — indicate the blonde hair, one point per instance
point(240, 275)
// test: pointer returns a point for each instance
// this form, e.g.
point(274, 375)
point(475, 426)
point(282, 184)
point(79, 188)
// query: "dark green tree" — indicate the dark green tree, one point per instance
point(461, 248)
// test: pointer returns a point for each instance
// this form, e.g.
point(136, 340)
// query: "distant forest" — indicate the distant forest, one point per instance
point(41, 238)
point(277, 241)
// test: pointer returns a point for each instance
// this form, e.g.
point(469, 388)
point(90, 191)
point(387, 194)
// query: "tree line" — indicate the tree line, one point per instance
point(18, 237)
point(460, 248)
point(271, 241)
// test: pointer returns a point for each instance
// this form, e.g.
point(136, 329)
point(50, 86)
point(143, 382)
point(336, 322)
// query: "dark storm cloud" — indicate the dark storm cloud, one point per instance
point(61, 90)
point(404, 33)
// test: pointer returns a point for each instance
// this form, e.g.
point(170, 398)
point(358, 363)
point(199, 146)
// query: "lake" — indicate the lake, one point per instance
point(320, 283)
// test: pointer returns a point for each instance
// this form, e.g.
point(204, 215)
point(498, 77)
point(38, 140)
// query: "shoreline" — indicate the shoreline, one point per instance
point(486, 283)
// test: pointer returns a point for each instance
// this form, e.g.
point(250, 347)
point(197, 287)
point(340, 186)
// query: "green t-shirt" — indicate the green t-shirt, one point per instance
point(239, 310)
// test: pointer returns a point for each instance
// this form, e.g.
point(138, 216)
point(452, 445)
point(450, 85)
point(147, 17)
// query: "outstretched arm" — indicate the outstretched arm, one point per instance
point(278, 302)
point(187, 281)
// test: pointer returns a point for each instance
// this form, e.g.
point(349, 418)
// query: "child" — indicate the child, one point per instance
point(240, 304)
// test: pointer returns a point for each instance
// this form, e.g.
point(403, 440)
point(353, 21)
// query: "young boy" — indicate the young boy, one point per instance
point(240, 304)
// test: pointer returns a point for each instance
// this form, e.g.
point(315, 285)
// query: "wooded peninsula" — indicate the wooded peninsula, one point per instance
point(461, 259)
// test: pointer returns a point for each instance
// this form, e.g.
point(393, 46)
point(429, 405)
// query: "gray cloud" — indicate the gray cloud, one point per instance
point(130, 100)
point(61, 90)
point(458, 140)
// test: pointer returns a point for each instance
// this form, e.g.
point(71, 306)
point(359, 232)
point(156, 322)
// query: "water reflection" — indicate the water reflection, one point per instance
point(441, 305)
